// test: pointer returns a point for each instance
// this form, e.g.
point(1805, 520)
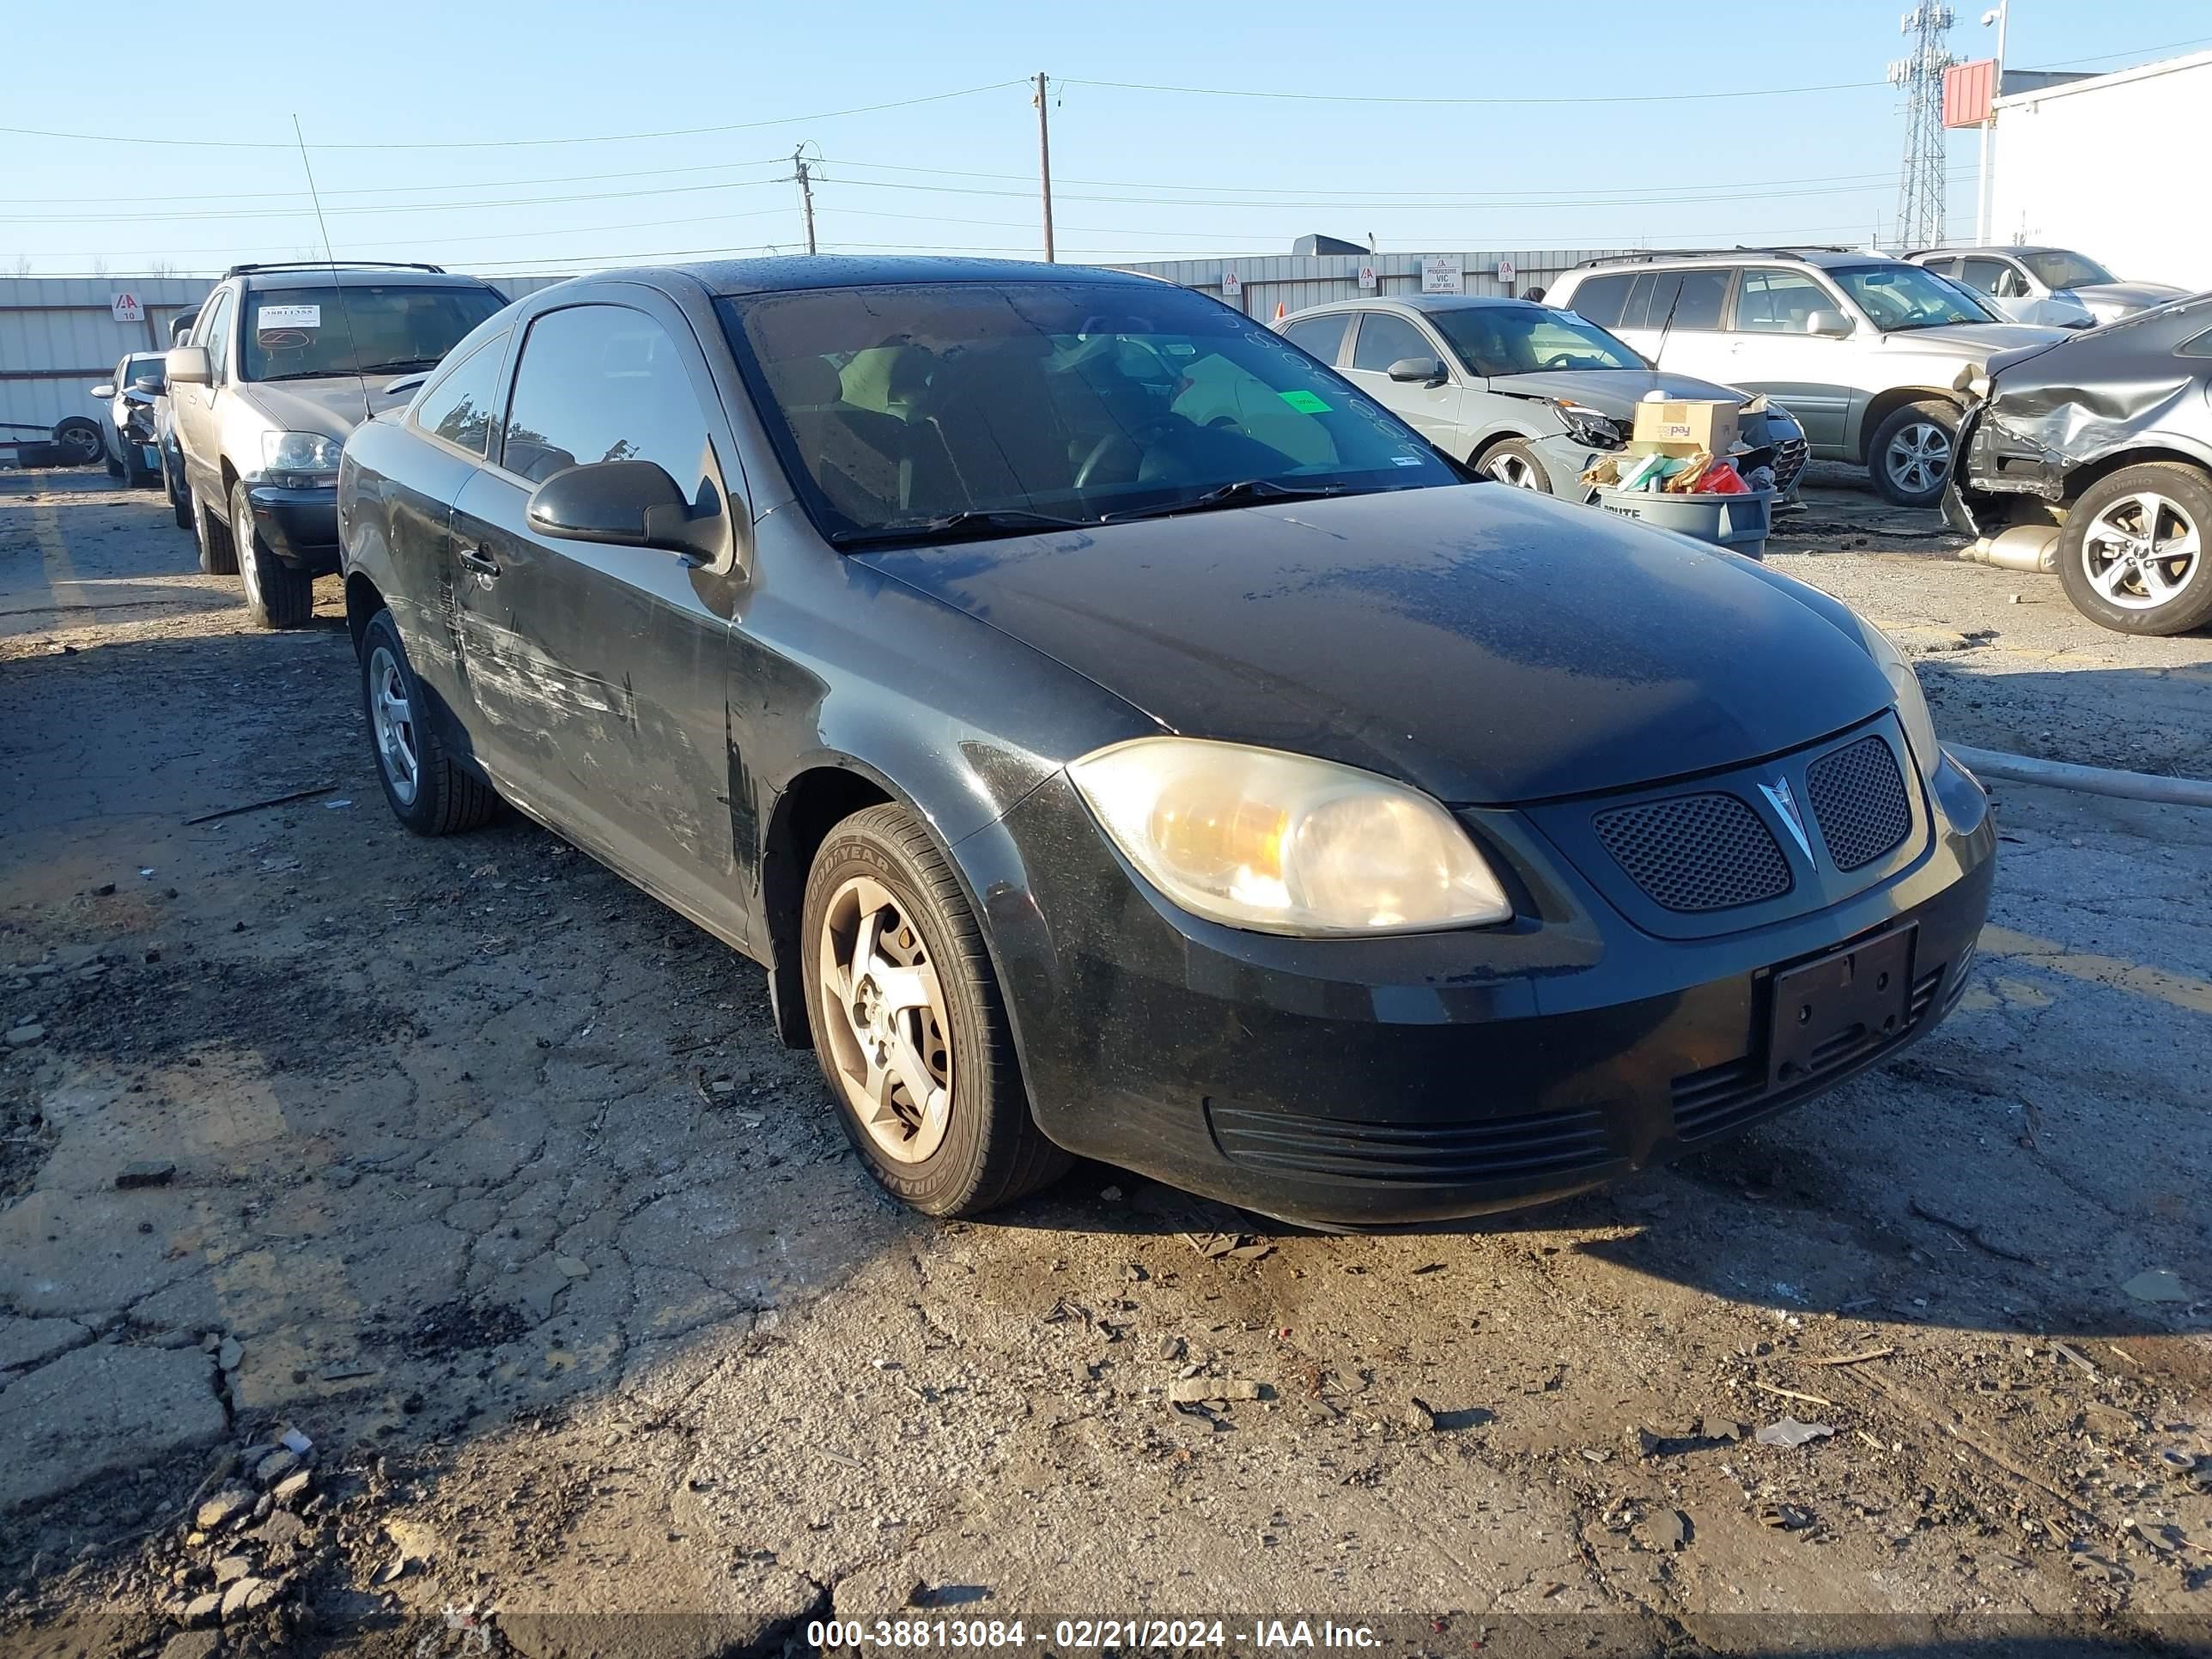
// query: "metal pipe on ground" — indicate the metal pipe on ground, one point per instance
point(2089, 779)
point(2029, 547)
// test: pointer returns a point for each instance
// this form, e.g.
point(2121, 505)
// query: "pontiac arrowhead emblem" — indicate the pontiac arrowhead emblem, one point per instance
point(1780, 798)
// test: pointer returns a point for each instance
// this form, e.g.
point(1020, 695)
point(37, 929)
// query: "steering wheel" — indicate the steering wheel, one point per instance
point(1558, 360)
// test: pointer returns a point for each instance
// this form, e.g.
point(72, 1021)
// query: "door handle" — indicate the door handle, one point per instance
point(483, 563)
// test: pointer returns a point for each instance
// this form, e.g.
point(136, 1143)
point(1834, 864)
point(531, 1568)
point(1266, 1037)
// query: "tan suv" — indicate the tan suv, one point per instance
point(285, 362)
point(1865, 350)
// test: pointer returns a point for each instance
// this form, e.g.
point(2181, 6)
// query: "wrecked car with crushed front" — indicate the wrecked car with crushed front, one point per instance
point(1278, 813)
point(2092, 458)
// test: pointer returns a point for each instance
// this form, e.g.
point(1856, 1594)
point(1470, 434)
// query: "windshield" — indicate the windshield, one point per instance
point(903, 405)
point(303, 333)
point(1521, 339)
point(1901, 297)
point(2059, 269)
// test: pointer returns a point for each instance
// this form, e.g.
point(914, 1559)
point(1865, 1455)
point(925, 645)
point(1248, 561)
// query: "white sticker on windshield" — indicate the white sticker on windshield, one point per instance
point(1405, 461)
point(268, 317)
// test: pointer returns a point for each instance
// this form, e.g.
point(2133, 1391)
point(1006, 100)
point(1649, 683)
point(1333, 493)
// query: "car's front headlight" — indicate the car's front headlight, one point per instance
point(1912, 702)
point(1286, 844)
point(1585, 425)
point(298, 452)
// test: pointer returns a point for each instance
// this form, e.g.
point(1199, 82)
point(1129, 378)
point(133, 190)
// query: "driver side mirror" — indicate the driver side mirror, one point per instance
point(147, 382)
point(189, 366)
point(103, 391)
point(1828, 324)
point(1425, 370)
point(630, 504)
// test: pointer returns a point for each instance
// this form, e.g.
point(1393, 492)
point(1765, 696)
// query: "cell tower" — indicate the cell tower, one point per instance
point(1922, 209)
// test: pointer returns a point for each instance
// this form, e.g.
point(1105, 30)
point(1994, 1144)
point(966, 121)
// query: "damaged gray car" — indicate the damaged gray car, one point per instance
point(2093, 459)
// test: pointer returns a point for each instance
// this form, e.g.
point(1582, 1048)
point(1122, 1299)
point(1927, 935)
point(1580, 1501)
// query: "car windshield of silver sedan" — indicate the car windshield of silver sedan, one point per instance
point(940, 411)
point(2059, 269)
point(1492, 340)
point(306, 333)
point(1897, 296)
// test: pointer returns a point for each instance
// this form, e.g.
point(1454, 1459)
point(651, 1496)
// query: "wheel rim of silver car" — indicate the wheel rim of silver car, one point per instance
point(241, 544)
point(2140, 551)
point(1513, 470)
point(394, 722)
point(883, 1012)
point(1919, 457)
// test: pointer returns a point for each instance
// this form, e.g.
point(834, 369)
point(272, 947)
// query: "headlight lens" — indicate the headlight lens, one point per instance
point(1586, 425)
point(1286, 844)
point(298, 452)
point(1912, 704)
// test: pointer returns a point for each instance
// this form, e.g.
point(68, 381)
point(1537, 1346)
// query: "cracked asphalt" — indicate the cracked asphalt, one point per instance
point(486, 1173)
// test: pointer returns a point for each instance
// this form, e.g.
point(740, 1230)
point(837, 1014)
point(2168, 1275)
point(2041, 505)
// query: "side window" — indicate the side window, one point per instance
point(1942, 267)
point(1778, 301)
point(1704, 293)
point(1322, 336)
point(603, 383)
point(214, 333)
point(2199, 347)
point(1986, 276)
point(459, 405)
point(1600, 299)
point(1385, 339)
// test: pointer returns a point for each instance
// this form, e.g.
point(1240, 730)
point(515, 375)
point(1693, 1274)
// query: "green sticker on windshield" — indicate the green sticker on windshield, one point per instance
point(1304, 402)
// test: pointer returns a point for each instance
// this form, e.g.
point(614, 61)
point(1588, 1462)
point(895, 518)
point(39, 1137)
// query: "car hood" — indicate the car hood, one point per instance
point(332, 406)
point(2133, 296)
point(1611, 392)
point(1972, 341)
point(1484, 644)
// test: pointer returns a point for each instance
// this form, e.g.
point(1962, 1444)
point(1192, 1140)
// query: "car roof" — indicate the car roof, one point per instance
point(1822, 258)
point(790, 272)
point(1986, 247)
point(310, 276)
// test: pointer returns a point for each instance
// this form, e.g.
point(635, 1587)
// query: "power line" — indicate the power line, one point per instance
point(388, 206)
point(1365, 98)
point(381, 189)
point(519, 143)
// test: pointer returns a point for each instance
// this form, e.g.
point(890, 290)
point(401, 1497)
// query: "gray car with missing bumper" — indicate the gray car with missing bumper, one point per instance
point(1527, 393)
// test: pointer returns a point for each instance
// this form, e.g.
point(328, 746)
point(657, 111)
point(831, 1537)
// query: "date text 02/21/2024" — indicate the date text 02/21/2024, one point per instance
point(1082, 1635)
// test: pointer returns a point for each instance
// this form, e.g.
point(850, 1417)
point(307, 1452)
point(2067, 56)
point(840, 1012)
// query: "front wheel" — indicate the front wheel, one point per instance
point(2131, 554)
point(181, 498)
point(1911, 454)
point(426, 790)
point(909, 1026)
point(1515, 463)
point(80, 439)
point(276, 595)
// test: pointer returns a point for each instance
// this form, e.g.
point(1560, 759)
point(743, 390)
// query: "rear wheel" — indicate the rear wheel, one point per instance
point(426, 789)
point(276, 595)
point(80, 439)
point(2132, 554)
point(1911, 454)
point(180, 499)
point(217, 557)
point(1515, 463)
point(909, 1026)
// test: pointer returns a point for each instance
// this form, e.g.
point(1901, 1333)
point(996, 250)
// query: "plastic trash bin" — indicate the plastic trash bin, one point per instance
point(1739, 523)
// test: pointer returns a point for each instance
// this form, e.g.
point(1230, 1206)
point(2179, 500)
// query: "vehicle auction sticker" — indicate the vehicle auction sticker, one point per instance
point(1304, 402)
point(268, 317)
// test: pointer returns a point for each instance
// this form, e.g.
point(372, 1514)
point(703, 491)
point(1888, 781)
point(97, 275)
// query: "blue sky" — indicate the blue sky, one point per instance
point(1138, 174)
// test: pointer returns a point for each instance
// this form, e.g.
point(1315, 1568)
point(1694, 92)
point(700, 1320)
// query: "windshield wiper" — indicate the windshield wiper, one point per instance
point(1243, 493)
point(305, 375)
point(402, 363)
point(973, 523)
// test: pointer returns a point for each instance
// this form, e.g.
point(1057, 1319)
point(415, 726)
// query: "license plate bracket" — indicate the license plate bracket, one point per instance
point(1826, 1010)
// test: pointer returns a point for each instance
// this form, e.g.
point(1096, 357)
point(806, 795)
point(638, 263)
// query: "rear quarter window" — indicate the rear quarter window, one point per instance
point(1600, 298)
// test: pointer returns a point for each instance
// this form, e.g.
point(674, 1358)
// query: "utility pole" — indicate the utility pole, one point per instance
point(1044, 165)
point(1985, 208)
point(805, 193)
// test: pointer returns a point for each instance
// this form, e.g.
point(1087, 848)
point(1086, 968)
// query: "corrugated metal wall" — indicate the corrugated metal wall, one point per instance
point(58, 338)
point(1296, 281)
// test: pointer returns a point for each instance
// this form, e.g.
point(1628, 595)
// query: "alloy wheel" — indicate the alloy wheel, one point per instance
point(1511, 469)
point(241, 538)
point(1918, 458)
point(2141, 551)
point(884, 1018)
point(393, 720)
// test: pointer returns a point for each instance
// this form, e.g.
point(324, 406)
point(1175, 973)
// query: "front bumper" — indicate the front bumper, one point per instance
point(298, 525)
point(1377, 1081)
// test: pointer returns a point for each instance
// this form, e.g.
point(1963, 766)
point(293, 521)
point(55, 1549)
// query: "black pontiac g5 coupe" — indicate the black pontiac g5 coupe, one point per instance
point(1255, 803)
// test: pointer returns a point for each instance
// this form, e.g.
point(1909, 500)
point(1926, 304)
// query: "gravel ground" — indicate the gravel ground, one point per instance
point(484, 1175)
